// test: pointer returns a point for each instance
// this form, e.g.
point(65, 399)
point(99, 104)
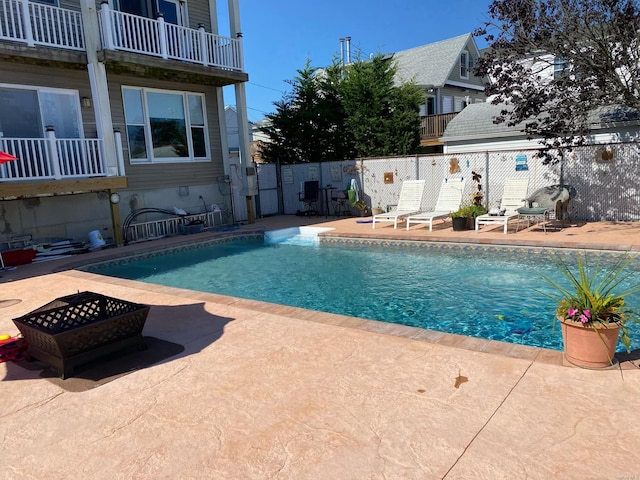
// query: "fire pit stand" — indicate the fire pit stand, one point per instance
point(75, 329)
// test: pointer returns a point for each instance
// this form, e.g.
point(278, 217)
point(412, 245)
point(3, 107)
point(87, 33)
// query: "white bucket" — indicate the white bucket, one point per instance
point(95, 238)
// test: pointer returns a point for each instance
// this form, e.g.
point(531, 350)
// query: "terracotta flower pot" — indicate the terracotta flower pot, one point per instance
point(585, 348)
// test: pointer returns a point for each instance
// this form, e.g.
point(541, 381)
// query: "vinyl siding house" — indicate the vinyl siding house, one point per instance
point(474, 130)
point(444, 71)
point(98, 99)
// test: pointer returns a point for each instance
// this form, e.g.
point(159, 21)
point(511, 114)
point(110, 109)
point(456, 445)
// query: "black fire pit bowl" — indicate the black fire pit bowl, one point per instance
point(78, 328)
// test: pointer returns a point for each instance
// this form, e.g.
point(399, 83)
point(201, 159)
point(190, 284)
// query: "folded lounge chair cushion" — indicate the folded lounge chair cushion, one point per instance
point(532, 210)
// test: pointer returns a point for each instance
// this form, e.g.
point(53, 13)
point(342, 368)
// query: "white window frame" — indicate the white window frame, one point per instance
point(560, 68)
point(60, 91)
point(150, 159)
point(448, 104)
point(464, 64)
point(181, 11)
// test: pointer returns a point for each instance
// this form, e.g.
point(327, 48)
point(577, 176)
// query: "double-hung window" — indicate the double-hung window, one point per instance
point(165, 126)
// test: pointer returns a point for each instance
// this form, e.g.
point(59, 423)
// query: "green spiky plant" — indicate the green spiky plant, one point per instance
point(596, 297)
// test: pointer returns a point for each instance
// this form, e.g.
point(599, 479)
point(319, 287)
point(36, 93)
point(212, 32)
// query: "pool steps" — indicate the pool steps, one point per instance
point(295, 235)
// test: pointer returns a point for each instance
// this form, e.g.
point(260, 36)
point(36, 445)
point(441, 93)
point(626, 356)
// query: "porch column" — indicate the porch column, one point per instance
point(99, 88)
point(101, 104)
point(241, 110)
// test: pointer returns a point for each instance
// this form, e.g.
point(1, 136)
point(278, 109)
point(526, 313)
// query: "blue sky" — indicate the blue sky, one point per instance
point(279, 36)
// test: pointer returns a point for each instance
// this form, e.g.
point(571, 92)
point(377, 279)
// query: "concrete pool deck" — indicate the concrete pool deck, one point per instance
point(263, 391)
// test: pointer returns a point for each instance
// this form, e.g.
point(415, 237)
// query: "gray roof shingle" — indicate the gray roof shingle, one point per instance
point(430, 64)
point(476, 121)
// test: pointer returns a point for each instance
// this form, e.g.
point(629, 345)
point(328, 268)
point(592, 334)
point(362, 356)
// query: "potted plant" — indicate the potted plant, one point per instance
point(464, 217)
point(362, 208)
point(377, 209)
point(459, 218)
point(592, 310)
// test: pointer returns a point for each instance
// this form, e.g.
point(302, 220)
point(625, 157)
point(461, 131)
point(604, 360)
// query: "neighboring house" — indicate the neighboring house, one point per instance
point(118, 97)
point(444, 71)
point(233, 137)
point(259, 138)
point(474, 129)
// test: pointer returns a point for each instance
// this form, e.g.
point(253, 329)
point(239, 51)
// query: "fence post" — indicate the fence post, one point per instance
point(53, 152)
point(162, 36)
point(120, 156)
point(202, 36)
point(26, 23)
point(486, 179)
point(107, 27)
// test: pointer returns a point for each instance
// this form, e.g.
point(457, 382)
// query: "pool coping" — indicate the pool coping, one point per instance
point(513, 350)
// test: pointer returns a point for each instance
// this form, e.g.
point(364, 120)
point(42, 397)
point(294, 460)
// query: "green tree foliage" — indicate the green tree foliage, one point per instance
point(593, 45)
point(382, 117)
point(344, 112)
point(304, 126)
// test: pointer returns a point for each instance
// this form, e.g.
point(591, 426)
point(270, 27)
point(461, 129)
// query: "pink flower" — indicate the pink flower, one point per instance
point(572, 311)
point(584, 318)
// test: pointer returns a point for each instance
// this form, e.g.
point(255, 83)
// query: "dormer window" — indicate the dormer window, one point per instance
point(464, 64)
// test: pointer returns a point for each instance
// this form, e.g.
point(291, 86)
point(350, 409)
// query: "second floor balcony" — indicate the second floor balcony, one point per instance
point(432, 127)
point(158, 38)
point(34, 24)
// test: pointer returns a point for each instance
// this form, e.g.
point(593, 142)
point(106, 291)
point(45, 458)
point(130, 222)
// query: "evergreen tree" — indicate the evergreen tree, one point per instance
point(343, 112)
point(382, 117)
point(308, 123)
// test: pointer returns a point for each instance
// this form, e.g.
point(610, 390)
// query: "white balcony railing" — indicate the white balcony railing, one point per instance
point(52, 158)
point(132, 33)
point(38, 24)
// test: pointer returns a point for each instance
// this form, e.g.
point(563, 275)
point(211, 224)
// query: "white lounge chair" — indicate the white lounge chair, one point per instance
point(409, 203)
point(513, 198)
point(449, 200)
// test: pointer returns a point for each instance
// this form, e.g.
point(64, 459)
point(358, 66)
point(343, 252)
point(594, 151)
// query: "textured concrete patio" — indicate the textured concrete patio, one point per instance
point(263, 391)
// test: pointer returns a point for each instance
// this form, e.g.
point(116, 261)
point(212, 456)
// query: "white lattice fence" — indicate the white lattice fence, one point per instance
point(606, 178)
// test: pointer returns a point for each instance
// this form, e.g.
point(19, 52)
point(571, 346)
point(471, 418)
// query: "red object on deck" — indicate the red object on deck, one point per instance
point(18, 257)
point(6, 157)
point(13, 349)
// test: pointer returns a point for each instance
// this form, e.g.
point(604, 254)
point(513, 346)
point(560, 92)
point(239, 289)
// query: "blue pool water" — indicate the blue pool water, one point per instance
point(482, 293)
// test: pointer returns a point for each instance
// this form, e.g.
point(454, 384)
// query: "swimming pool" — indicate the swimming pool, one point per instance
point(481, 292)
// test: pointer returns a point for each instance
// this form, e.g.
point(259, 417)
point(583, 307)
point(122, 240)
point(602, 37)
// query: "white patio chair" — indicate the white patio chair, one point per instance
point(449, 200)
point(513, 198)
point(408, 203)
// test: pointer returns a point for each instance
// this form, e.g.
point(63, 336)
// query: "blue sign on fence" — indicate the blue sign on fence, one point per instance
point(521, 163)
